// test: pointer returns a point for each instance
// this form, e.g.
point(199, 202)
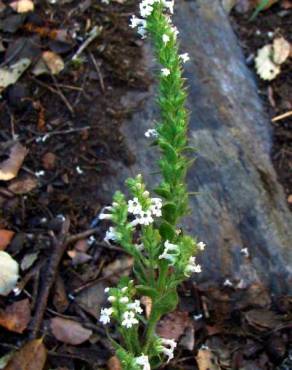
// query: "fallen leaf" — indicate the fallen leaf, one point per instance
point(32, 356)
point(281, 50)
point(5, 238)
point(9, 75)
point(91, 299)
point(16, 317)
point(23, 186)
point(114, 363)
point(22, 6)
point(286, 4)
point(69, 331)
point(262, 319)
point(173, 325)
point(9, 168)
point(206, 360)
point(228, 5)
point(265, 67)
point(28, 260)
point(8, 273)
point(120, 267)
point(78, 258)
point(49, 161)
point(50, 62)
point(289, 199)
point(60, 299)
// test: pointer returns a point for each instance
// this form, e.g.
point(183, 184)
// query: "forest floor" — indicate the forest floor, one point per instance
point(69, 122)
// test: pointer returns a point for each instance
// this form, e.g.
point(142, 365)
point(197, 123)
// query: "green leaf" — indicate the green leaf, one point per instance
point(147, 291)
point(169, 211)
point(162, 192)
point(167, 231)
point(166, 303)
point(169, 151)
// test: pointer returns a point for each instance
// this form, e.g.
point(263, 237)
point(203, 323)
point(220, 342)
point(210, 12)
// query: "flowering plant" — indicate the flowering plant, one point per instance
point(146, 226)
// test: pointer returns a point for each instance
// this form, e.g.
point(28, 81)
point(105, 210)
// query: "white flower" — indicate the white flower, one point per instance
point(106, 290)
point(139, 247)
point(79, 170)
point(105, 2)
point(129, 319)
point(143, 361)
point(39, 173)
point(134, 206)
point(124, 300)
point(167, 347)
point(192, 267)
point(145, 9)
point(169, 4)
point(184, 57)
point(151, 133)
point(105, 315)
point(165, 72)
point(105, 216)
point(112, 298)
point(143, 218)
point(175, 31)
point(136, 306)
point(174, 252)
point(142, 32)
point(155, 208)
point(110, 235)
point(245, 252)
point(227, 282)
point(124, 289)
point(201, 246)
point(135, 22)
point(165, 39)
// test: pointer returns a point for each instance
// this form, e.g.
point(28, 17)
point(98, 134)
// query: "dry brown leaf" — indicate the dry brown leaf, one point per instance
point(10, 167)
point(53, 61)
point(69, 331)
point(5, 238)
point(78, 258)
point(114, 363)
point(8, 273)
point(32, 356)
point(120, 267)
point(206, 360)
point(49, 161)
point(173, 325)
point(9, 75)
point(22, 6)
point(23, 186)
point(265, 67)
point(281, 50)
point(16, 316)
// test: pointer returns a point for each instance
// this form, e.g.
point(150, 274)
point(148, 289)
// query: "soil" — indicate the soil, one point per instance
point(70, 122)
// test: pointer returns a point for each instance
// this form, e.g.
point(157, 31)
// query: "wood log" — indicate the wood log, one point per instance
point(240, 203)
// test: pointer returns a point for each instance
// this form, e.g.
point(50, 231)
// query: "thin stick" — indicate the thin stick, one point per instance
point(282, 116)
point(96, 31)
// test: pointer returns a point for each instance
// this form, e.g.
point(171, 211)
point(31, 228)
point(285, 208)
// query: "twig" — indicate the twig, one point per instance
point(62, 96)
point(98, 72)
point(282, 116)
point(96, 31)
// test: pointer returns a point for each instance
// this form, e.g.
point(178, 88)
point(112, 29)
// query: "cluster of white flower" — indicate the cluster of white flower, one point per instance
point(143, 361)
point(131, 309)
point(144, 217)
point(167, 347)
point(110, 235)
point(192, 267)
point(151, 132)
point(170, 253)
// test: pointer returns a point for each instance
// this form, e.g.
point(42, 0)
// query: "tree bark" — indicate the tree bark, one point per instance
point(240, 203)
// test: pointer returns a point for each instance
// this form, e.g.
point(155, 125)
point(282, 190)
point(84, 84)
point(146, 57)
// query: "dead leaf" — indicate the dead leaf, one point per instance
point(173, 325)
point(49, 161)
point(9, 168)
point(22, 6)
point(60, 299)
point(91, 299)
point(281, 50)
point(16, 317)
point(114, 363)
point(265, 67)
point(69, 331)
point(286, 4)
point(23, 186)
point(206, 360)
point(9, 75)
point(120, 267)
point(262, 319)
point(228, 5)
point(289, 199)
point(8, 273)
point(32, 356)
point(28, 260)
point(78, 258)
point(5, 238)
point(50, 62)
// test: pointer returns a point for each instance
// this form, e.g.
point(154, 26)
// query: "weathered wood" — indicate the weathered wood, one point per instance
point(241, 204)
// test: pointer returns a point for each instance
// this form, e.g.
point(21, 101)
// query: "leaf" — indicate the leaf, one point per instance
point(10, 167)
point(8, 273)
point(32, 356)
point(265, 67)
point(9, 75)
point(206, 360)
point(174, 324)
point(114, 363)
point(169, 211)
point(281, 50)
point(22, 6)
point(69, 331)
point(16, 317)
point(228, 5)
point(166, 303)
point(50, 62)
point(5, 238)
point(28, 260)
point(166, 231)
point(262, 5)
point(23, 186)
point(147, 291)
